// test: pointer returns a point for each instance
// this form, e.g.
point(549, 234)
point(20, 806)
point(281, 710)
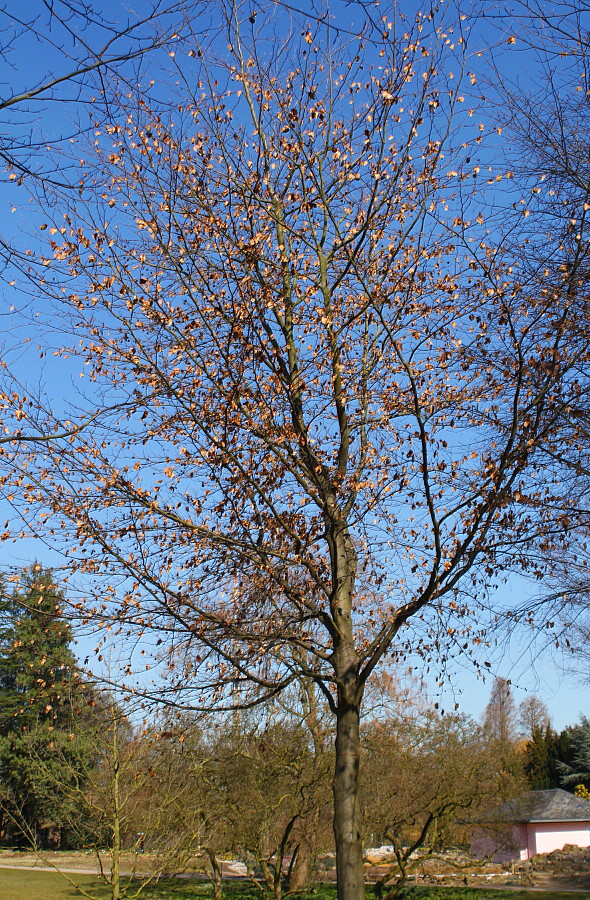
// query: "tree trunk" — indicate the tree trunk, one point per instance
point(215, 874)
point(116, 860)
point(349, 692)
point(300, 870)
point(116, 824)
point(347, 812)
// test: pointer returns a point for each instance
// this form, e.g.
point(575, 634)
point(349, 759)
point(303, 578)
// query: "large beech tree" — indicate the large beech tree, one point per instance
point(328, 380)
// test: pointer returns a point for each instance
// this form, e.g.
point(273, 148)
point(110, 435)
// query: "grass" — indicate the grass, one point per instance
point(179, 890)
point(425, 893)
point(31, 885)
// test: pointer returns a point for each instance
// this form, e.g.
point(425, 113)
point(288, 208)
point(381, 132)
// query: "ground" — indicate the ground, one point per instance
point(561, 870)
point(35, 885)
point(31, 885)
point(24, 876)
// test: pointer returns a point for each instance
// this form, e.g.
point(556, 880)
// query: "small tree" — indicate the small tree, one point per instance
point(134, 794)
point(272, 782)
point(201, 814)
point(540, 759)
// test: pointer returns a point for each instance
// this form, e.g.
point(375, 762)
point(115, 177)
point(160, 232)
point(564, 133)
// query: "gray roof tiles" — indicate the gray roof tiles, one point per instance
point(545, 806)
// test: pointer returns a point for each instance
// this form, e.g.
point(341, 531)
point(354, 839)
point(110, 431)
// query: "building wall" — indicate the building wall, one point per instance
point(507, 842)
point(545, 837)
point(500, 843)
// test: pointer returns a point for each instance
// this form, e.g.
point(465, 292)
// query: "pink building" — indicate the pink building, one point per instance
point(537, 822)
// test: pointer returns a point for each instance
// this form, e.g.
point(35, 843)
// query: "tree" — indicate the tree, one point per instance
point(254, 785)
point(269, 783)
point(201, 815)
point(309, 836)
point(429, 775)
point(533, 716)
point(41, 698)
point(330, 390)
point(500, 714)
point(578, 772)
point(541, 759)
point(547, 129)
point(133, 794)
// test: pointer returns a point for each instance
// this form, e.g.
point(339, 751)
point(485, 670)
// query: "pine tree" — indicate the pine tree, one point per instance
point(41, 693)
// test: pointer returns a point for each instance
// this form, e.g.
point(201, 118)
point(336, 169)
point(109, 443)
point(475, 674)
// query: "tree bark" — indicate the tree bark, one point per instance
point(116, 822)
point(347, 811)
point(349, 692)
point(215, 876)
point(302, 863)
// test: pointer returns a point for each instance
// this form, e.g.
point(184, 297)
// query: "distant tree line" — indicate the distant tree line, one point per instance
point(550, 759)
point(559, 759)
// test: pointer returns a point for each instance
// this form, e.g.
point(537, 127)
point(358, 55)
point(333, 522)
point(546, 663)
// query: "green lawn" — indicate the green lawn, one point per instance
point(31, 885)
point(181, 890)
point(424, 893)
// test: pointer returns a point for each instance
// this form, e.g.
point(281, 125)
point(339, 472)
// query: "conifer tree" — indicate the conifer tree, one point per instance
point(579, 770)
point(541, 755)
point(40, 693)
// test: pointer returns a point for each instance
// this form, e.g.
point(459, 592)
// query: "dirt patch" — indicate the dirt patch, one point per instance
point(566, 869)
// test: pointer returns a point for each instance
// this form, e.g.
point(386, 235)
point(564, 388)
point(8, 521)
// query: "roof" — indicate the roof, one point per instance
point(545, 806)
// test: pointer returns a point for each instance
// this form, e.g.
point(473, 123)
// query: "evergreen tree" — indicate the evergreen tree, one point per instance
point(41, 693)
point(576, 769)
point(541, 759)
